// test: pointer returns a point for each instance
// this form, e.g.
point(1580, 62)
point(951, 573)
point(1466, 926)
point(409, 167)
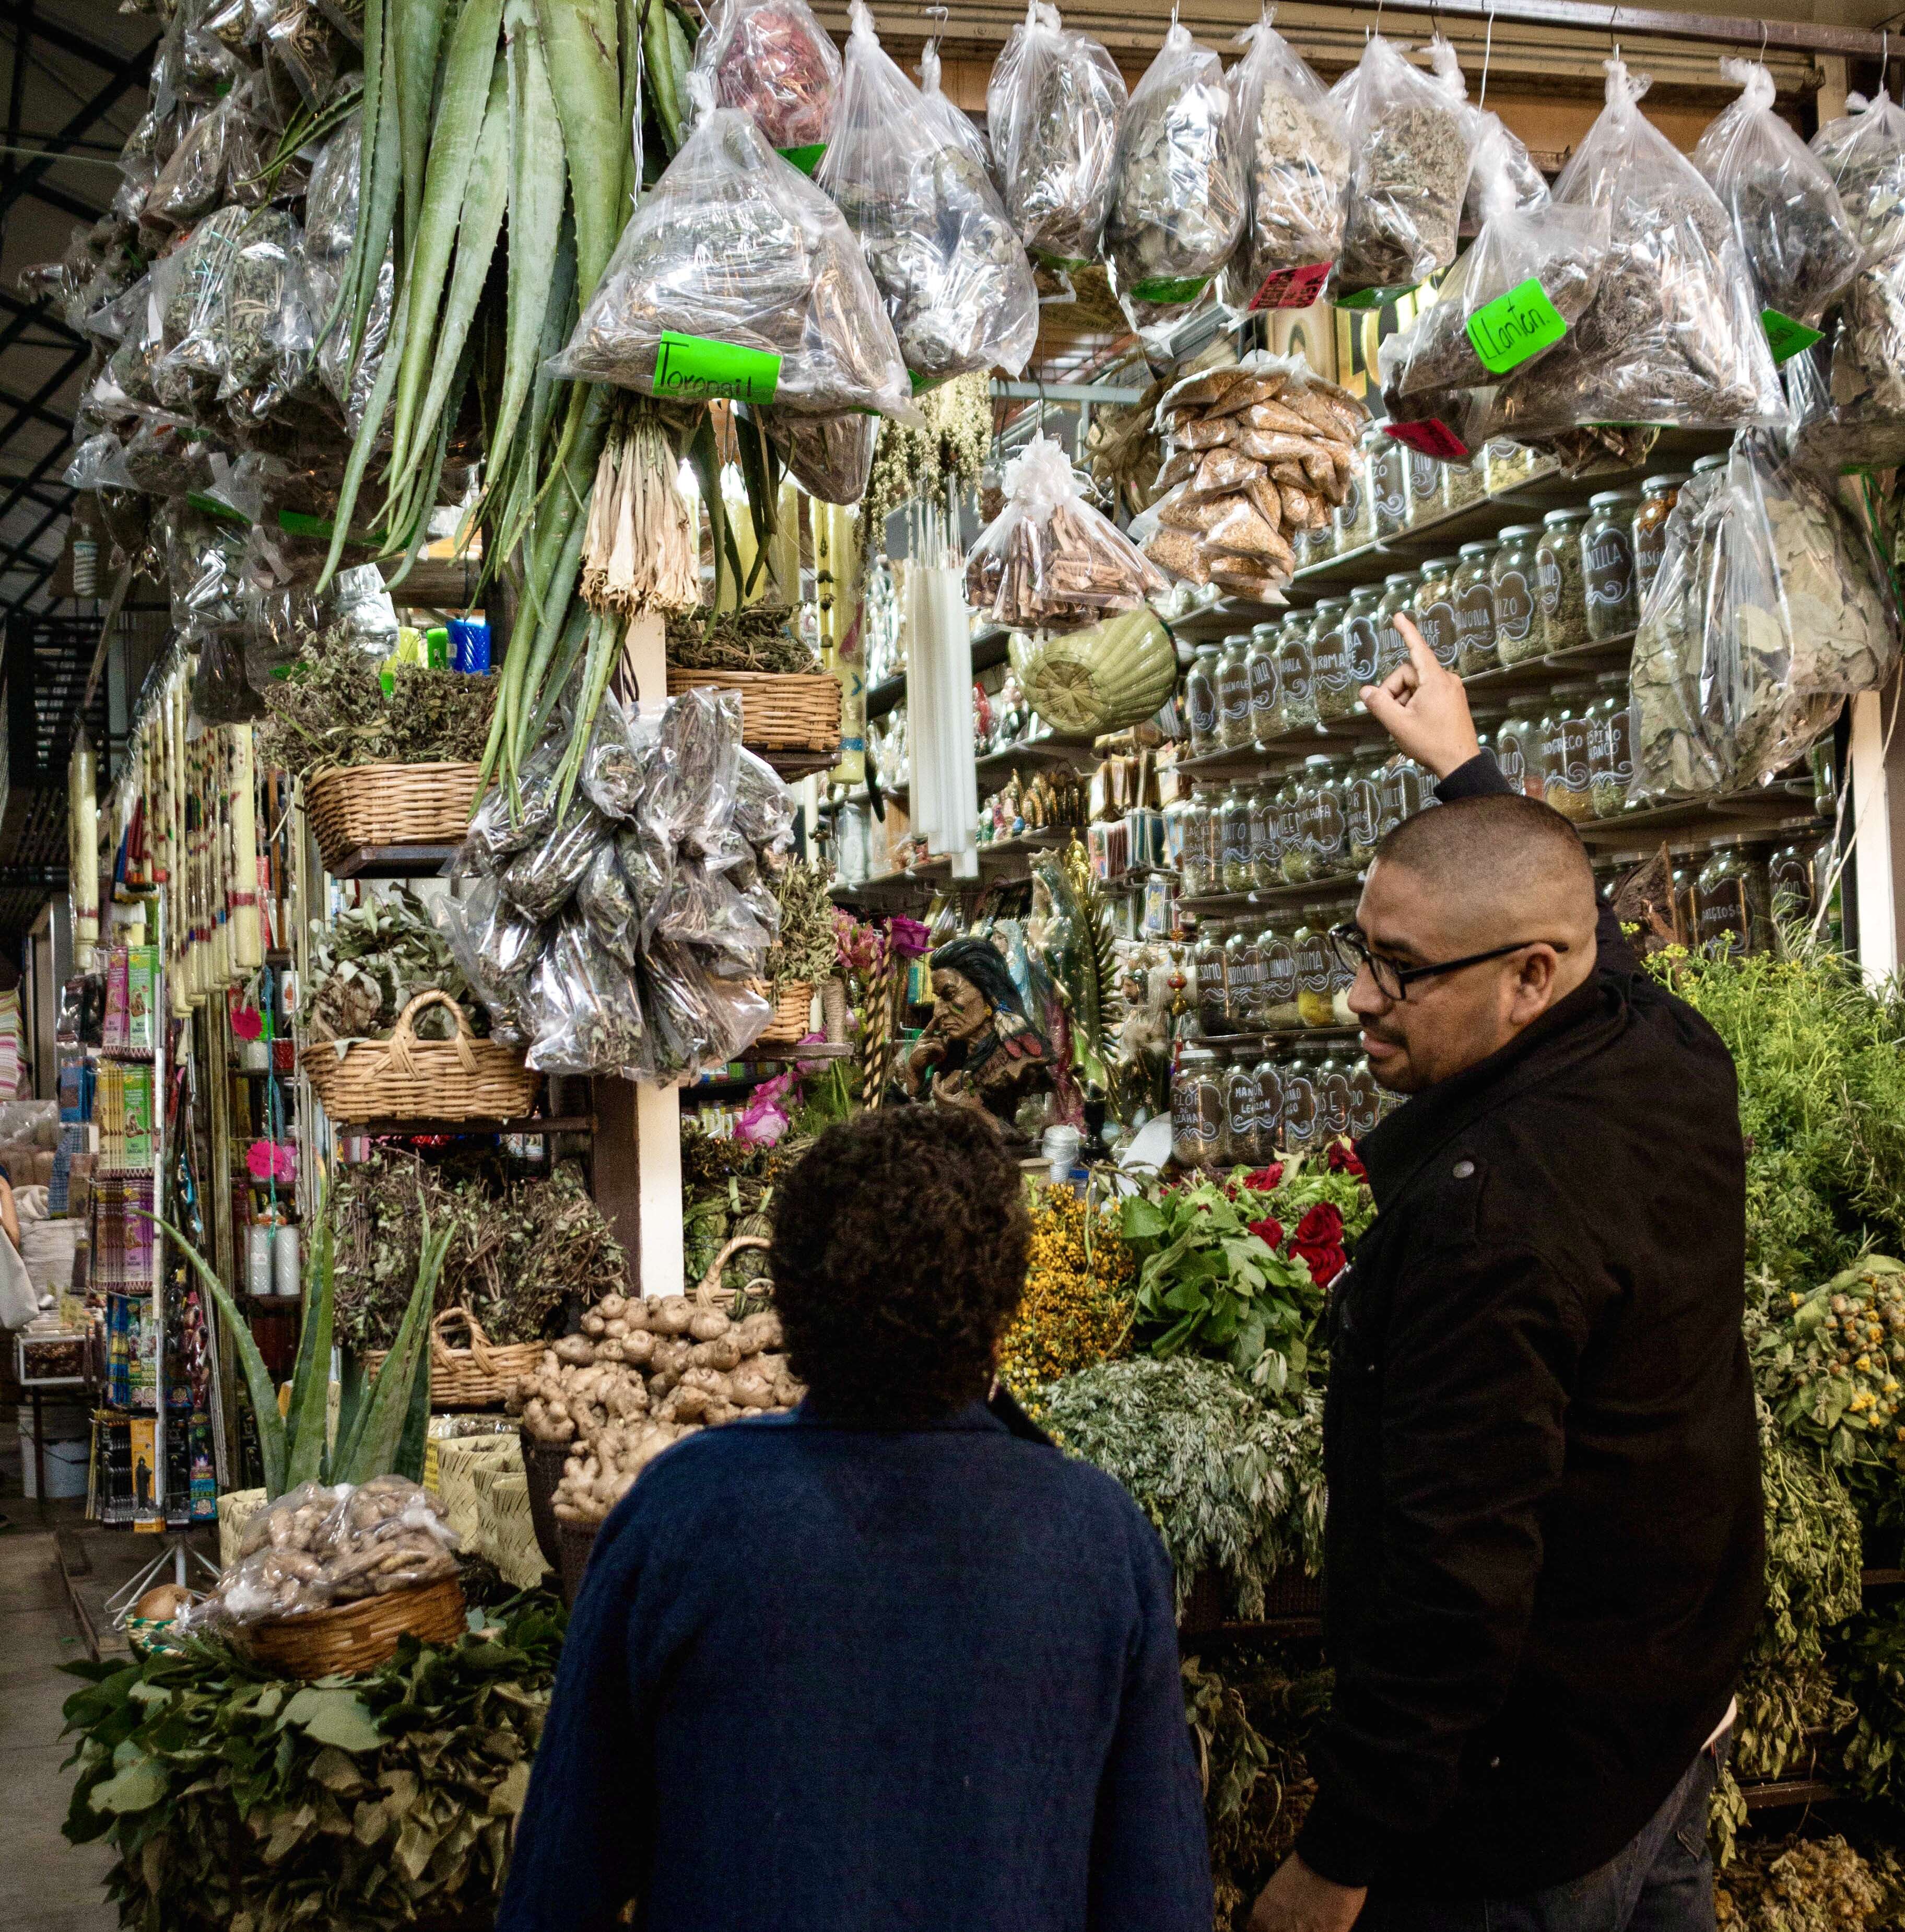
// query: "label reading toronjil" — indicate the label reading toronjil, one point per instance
point(692, 367)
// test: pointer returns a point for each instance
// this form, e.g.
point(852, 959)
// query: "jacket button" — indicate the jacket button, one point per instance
point(1463, 1169)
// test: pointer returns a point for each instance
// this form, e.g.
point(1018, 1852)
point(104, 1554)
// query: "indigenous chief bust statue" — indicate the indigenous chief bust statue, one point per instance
point(978, 1049)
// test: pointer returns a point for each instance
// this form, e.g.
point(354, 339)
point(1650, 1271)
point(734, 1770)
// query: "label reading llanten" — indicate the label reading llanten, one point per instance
point(1507, 331)
point(691, 368)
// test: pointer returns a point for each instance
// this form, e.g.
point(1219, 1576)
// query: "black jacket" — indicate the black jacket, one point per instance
point(1545, 1539)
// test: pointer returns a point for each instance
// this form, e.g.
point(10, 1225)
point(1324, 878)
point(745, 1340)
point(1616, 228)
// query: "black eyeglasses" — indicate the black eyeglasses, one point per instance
point(1392, 981)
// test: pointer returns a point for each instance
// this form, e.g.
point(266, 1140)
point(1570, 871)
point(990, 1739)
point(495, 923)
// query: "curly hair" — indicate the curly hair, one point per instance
point(898, 1256)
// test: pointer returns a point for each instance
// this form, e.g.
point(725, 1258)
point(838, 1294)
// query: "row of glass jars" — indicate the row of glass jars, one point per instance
point(1242, 1106)
point(1393, 488)
point(1730, 897)
point(1269, 975)
point(1322, 820)
point(1574, 750)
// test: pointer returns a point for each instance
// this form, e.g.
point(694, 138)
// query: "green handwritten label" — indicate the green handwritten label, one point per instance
point(1507, 331)
point(1066, 263)
point(1170, 289)
point(690, 367)
point(805, 159)
point(1784, 337)
point(299, 523)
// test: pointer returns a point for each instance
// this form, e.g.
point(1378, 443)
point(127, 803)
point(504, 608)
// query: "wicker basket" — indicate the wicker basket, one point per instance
point(793, 711)
point(356, 1637)
point(508, 1533)
point(576, 1540)
point(542, 1464)
point(792, 1013)
point(406, 1078)
point(708, 1292)
point(389, 805)
point(458, 1460)
point(480, 1376)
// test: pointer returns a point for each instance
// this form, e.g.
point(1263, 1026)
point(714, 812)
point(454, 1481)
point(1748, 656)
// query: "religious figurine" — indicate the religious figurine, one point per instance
point(979, 1048)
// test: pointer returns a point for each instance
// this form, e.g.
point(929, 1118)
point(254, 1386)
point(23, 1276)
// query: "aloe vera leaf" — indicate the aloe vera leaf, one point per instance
point(580, 38)
point(310, 1379)
point(378, 1426)
point(416, 32)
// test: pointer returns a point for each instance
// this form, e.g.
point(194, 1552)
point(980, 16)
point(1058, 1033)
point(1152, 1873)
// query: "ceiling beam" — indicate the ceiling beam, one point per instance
point(33, 408)
point(64, 203)
point(64, 38)
point(22, 554)
point(129, 75)
point(22, 486)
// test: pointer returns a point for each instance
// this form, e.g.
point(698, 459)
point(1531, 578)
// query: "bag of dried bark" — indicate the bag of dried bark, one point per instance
point(1049, 561)
point(1790, 223)
point(1178, 190)
point(956, 284)
point(1410, 143)
point(1673, 334)
point(1051, 111)
point(1294, 144)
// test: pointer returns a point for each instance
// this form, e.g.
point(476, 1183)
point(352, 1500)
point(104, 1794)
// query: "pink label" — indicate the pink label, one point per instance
point(1292, 288)
point(1432, 438)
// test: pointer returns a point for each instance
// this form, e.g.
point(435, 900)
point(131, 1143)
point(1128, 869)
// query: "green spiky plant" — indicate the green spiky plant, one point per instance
point(381, 1420)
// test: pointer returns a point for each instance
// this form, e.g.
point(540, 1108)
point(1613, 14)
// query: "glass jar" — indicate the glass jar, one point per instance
point(1789, 883)
point(1732, 902)
point(1388, 462)
point(1265, 853)
point(1197, 1107)
point(1824, 770)
point(1333, 693)
point(1234, 838)
point(1434, 609)
point(1566, 784)
point(1244, 977)
point(1293, 830)
point(1506, 465)
point(1326, 831)
point(1300, 1132)
point(1260, 661)
point(1463, 483)
point(1388, 800)
point(1197, 868)
point(1513, 583)
point(1355, 515)
point(1361, 653)
point(1607, 564)
point(1558, 575)
point(1174, 834)
point(1296, 690)
point(1207, 978)
point(1407, 790)
point(1365, 1100)
point(1332, 1099)
point(1201, 700)
point(1518, 750)
point(1425, 490)
point(1686, 877)
point(1240, 1135)
point(1362, 804)
point(1658, 495)
point(1611, 750)
point(1270, 1107)
point(1280, 1012)
point(1234, 693)
point(1342, 977)
point(1315, 955)
point(1474, 597)
point(1398, 599)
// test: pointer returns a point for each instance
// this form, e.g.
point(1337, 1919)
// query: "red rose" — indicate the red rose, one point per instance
point(1268, 1232)
point(1345, 1159)
point(1266, 1179)
point(1318, 1240)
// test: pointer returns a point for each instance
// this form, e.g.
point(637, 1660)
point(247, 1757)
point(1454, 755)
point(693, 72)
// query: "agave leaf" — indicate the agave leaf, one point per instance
point(378, 1427)
point(310, 1380)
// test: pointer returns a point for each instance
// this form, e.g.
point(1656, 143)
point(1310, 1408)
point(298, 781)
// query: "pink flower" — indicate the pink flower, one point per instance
point(247, 1023)
point(908, 934)
point(271, 1160)
point(763, 1120)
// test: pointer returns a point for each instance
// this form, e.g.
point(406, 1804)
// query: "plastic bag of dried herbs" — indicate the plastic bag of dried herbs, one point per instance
point(1791, 225)
point(1524, 283)
point(1863, 420)
point(831, 457)
point(1178, 190)
point(330, 225)
point(267, 330)
point(191, 359)
point(737, 277)
point(1673, 333)
point(1293, 141)
point(195, 180)
point(1410, 144)
point(584, 1009)
point(1052, 106)
point(1527, 186)
point(950, 123)
point(771, 61)
point(1048, 561)
point(1864, 152)
point(954, 278)
point(497, 948)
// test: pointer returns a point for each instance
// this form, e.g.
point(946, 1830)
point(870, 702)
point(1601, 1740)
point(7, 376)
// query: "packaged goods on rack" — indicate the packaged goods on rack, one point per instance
point(1766, 612)
point(773, 61)
point(1177, 184)
point(1052, 104)
point(949, 269)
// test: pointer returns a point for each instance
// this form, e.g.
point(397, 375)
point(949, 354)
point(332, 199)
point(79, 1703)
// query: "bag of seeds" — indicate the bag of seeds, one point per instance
point(1792, 227)
point(771, 61)
point(1673, 334)
point(955, 279)
point(737, 277)
point(1294, 143)
point(1409, 141)
point(1863, 152)
point(1051, 113)
point(1048, 561)
point(1178, 191)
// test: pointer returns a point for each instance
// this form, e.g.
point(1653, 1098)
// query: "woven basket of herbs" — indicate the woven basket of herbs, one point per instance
point(349, 1638)
point(780, 712)
point(351, 806)
point(480, 1376)
point(406, 1078)
point(803, 953)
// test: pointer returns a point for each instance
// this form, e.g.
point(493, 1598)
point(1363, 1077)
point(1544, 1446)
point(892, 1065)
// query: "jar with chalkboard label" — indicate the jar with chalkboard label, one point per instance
point(1361, 650)
point(1567, 732)
point(1355, 515)
point(1234, 693)
point(1365, 1100)
point(1198, 865)
point(1607, 564)
point(1513, 583)
point(1558, 581)
point(1518, 750)
point(1293, 830)
point(1233, 835)
point(1333, 1098)
point(1326, 830)
point(1315, 956)
point(1398, 600)
point(1296, 688)
point(1197, 1108)
point(1789, 881)
point(1300, 1131)
point(1260, 661)
point(1266, 853)
point(1434, 609)
point(1362, 799)
point(1658, 495)
point(1242, 1143)
point(1270, 1106)
point(1207, 968)
point(1611, 752)
point(1732, 902)
point(1389, 482)
point(1243, 975)
point(1280, 1012)
point(1426, 497)
point(1475, 610)
point(1334, 695)
point(1201, 700)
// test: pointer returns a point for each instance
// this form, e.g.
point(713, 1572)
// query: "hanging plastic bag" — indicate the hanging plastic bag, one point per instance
point(1527, 188)
point(268, 330)
point(495, 947)
point(1052, 105)
point(1513, 297)
point(330, 225)
point(1792, 227)
point(1048, 561)
point(1673, 334)
point(830, 457)
point(771, 61)
point(1177, 193)
point(1863, 152)
point(950, 270)
point(1410, 143)
point(583, 1006)
point(950, 124)
point(737, 277)
point(1766, 612)
point(221, 693)
point(191, 361)
point(1293, 143)
point(192, 183)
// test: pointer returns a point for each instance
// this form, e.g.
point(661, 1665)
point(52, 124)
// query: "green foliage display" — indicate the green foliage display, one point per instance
point(239, 1802)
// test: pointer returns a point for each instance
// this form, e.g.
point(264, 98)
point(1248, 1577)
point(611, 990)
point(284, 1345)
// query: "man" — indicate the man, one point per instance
point(889, 1661)
point(1544, 1546)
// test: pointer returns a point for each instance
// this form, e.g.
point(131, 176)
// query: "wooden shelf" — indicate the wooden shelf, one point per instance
point(1787, 1791)
point(557, 1123)
point(1769, 810)
point(395, 862)
point(989, 648)
point(1056, 748)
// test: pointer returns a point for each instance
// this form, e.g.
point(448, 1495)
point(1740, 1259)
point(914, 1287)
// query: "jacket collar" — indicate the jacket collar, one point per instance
point(974, 1418)
point(1393, 1152)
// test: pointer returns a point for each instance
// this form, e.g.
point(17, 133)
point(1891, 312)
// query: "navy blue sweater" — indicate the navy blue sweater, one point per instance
point(824, 1679)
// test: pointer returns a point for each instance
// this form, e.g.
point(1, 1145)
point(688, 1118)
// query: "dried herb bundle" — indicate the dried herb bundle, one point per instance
point(911, 465)
point(754, 638)
point(371, 960)
point(804, 953)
